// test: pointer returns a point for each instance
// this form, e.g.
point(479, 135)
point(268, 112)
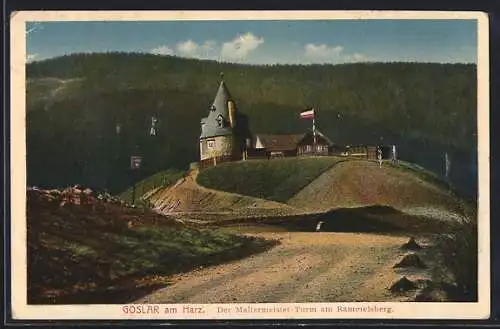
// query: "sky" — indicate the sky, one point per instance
point(264, 42)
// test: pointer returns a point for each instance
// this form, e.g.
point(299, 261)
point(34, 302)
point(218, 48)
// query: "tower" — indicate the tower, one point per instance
point(224, 130)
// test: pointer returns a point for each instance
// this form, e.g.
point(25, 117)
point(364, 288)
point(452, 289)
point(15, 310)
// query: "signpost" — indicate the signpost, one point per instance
point(135, 164)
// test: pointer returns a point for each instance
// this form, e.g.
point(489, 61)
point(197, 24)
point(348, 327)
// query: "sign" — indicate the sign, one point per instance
point(135, 162)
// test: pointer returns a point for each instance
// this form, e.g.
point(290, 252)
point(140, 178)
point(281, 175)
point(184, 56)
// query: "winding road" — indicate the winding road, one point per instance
point(305, 267)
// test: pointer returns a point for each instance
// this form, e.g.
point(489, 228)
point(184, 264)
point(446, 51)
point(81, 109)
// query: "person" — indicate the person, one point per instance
point(394, 159)
point(379, 157)
point(318, 226)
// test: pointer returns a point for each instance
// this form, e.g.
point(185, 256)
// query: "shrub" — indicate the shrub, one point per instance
point(460, 256)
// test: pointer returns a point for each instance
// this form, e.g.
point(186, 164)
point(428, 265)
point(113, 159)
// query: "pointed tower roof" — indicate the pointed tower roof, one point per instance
point(222, 97)
point(212, 124)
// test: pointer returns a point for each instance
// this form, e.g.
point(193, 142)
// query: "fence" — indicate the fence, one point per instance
point(214, 161)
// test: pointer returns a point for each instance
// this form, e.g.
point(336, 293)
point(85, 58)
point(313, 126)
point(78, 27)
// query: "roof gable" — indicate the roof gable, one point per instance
point(320, 138)
point(278, 142)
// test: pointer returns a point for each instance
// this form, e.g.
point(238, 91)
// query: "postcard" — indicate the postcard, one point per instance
point(249, 165)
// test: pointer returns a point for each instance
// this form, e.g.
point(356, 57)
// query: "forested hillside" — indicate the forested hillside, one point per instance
point(75, 102)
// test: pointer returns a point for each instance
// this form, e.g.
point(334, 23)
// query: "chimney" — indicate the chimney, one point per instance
point(231, 109)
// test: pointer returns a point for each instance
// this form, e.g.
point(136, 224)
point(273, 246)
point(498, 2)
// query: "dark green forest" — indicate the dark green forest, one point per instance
point(74, 103)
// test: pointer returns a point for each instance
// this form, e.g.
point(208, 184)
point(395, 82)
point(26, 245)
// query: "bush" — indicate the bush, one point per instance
point(460, 256)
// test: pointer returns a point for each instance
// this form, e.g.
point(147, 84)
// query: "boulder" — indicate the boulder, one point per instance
point(411, 260)
point(411, 245)
point(403, 285)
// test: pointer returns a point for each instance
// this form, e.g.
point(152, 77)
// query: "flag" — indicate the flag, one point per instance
point(309, 114)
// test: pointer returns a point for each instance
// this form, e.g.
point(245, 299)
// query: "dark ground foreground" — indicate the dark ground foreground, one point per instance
point(106, 252)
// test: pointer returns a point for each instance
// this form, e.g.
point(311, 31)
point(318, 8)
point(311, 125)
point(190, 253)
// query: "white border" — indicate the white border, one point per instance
point(410, 310)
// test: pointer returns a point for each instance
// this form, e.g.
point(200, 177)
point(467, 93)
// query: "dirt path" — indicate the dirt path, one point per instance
point(305, 267)
point(187, 196)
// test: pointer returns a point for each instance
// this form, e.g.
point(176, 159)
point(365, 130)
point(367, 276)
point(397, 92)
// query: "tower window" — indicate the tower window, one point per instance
point(211, 144)
point(221, 122)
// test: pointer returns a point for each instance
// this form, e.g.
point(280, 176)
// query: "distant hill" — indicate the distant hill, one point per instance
point(75, 102)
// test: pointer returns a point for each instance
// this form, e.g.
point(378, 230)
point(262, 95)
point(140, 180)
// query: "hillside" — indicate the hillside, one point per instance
point(156, 181)
point(363, 183)
point(295, 193)
point(190, 200)
point(104, 251)
point(276, 180)
point(360, 252)
point(425, 109)
point(320, 184)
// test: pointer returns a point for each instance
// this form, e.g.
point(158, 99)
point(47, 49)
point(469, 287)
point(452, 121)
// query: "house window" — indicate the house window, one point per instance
point(308, 148)
point(211, 144)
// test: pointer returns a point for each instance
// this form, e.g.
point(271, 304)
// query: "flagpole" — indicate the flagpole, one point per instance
point(314, 127)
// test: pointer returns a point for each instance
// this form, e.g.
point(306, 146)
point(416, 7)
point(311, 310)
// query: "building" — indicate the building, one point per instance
point(224, 132)
point(314, 145)
point(225, 136)
point(284, 145)
point(272, 146)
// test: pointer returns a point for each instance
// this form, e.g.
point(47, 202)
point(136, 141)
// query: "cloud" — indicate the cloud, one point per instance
point(31, 57)
point(162, 50)
point(209, 45)
point(241, 46)
point(187, 48)
point(236, 49)
point(322, 51)
point(358, 57)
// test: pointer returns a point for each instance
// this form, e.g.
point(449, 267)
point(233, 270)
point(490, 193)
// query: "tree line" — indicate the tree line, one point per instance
point(75, 103)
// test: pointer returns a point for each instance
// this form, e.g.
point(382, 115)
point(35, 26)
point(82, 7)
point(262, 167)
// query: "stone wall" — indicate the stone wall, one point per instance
point(219, 146)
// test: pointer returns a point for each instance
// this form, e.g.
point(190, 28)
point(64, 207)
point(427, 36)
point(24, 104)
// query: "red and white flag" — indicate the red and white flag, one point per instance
point(309, 114)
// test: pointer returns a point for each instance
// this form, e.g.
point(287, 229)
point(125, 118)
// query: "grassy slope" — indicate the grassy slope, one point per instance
point(312, 183)
point(80, 255)
point(362, 183)
point(161, 179)
point(275, 180)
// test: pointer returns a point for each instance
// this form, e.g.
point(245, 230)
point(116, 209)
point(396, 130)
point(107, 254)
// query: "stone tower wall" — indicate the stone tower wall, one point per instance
point(222, 146)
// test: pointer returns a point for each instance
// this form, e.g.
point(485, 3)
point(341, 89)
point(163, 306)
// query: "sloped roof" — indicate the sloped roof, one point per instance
point(319, 134)
point(210, 127)
point(280, 142)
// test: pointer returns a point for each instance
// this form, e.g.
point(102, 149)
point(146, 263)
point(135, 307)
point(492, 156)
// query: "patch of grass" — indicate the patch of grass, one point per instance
point(161, 179)
point(459, 251)
point(80, 250)
point(421, 172)
point(276, 180)
point(150, 250)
